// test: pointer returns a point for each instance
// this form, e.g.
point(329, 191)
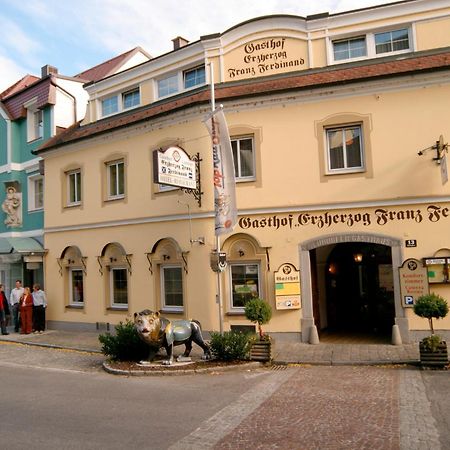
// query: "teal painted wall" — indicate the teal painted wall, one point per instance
point(3, 141)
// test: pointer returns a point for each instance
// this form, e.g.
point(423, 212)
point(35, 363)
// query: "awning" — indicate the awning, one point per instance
point(22, 245)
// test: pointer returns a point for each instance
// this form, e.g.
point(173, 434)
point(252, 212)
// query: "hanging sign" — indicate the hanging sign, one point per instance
point(173, 167)
point(287, 287)
point(413, 281)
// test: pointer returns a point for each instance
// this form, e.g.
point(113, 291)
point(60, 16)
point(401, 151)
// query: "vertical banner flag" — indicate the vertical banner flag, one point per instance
point(224, 181)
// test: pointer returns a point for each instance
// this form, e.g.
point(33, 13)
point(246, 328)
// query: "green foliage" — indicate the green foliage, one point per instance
point(231, 346)
point(431, 306)
point(258, 311)
point(125, 345)
point(431, 343)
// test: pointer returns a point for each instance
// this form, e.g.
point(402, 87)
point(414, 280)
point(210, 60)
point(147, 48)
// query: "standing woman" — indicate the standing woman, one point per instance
point(26, 312)
point(40, 303)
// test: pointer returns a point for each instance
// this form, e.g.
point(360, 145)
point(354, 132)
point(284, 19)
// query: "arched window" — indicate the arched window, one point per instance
point(246, 271)
point(171, 266)
point(73, 268)
point(118, 266)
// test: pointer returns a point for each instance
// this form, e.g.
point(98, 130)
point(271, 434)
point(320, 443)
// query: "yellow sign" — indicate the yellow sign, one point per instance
point(287, 287)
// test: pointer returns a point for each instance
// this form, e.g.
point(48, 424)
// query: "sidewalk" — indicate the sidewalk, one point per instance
point(283, 352)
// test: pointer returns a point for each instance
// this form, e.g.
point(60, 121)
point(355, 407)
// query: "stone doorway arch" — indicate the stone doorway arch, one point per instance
point(307, 321)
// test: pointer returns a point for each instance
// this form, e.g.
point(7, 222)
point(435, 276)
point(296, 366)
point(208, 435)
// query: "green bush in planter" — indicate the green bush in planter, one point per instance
point(258, 311)
point(125, 345)
point(431, 306)
point(230, 346)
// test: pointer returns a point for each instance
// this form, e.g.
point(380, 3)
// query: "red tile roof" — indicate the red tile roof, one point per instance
point(42, 89)
point(23, 83)
point(109, 67)
point(309, 79)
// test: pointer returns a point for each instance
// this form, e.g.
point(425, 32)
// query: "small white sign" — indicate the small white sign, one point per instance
point(173, 167)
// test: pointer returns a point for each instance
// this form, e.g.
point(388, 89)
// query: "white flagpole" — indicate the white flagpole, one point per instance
point(219, 291)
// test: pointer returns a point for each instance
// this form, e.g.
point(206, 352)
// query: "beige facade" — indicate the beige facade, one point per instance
point(326, 132)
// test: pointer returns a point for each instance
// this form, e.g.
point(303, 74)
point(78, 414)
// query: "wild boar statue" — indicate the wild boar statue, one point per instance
point(158, 331)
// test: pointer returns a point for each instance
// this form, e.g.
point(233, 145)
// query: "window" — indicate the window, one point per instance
point(350, 48)
point(344, 148)
point(244, 158)
point(110, 106)
point(131, 99)
point(172, 288)
point(115, 180)
point(194, 77)
point(35, 193)
point(119, 287)
point(244, 283)
point(168, 86)
point(74, 187)
point(392, 41)
point(76, 286)
point(35, 124)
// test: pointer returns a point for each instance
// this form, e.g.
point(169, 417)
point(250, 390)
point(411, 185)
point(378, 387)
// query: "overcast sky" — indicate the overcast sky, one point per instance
point(74, 35)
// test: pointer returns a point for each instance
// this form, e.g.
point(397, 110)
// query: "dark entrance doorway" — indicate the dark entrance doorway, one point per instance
point(355, 294)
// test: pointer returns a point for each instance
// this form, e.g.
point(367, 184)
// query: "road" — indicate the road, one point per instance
point(55, 399)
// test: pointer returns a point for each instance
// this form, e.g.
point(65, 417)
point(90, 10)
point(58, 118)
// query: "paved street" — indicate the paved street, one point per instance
point(62, 399)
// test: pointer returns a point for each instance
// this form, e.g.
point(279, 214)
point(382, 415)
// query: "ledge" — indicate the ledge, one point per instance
point(74, 306)
point(115, 308)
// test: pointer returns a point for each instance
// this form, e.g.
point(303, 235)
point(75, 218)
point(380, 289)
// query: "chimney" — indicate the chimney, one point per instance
point(179, 42)
point(47, 70)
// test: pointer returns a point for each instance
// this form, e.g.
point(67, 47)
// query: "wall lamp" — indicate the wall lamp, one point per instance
point(358, 257)
point(241, 252)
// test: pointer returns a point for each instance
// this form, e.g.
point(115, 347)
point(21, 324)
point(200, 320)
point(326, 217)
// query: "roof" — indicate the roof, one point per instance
point(109, 67)
point(43, 90)
point(307, 79)
point(23, 83)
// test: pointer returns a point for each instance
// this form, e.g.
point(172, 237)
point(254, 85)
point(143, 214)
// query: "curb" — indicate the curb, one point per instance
point(167, 372)
point(54, 346)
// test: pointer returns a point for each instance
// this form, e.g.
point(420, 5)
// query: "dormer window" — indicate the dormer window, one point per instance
point(35, 122)
point(110, 106)
point(131, 99)
point(168, 86)
point(372, 45)
point(194, 77)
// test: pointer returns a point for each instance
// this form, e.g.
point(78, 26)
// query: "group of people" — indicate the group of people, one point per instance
point(27, 309)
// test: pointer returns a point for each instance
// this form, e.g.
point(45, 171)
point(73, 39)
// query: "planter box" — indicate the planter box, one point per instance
point(439, 358)
point(261, 351)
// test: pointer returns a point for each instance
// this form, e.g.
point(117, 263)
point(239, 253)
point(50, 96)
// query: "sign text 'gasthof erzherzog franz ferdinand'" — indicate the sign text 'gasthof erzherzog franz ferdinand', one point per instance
point(327, 219)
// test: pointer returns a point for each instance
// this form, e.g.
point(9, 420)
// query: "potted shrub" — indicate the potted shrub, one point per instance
point(433, 350)
point(258, 311)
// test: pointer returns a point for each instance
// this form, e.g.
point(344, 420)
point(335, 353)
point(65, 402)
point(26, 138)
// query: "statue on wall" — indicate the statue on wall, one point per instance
point(159, 332)
point(11, 206)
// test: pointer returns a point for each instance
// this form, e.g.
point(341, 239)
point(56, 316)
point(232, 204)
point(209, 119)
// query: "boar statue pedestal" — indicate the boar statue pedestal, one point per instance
point(159, 332)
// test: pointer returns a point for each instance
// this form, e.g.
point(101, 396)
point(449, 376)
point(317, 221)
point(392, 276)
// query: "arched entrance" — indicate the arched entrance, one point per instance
point(350, 285)
point(356, 297)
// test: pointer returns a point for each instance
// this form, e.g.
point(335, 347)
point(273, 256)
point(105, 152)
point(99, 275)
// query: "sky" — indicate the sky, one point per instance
point(74, 35)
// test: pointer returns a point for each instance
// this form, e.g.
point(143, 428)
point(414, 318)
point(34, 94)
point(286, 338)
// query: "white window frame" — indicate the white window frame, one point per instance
point(345, 169)
point(191, 69)
point(109, 165)
point(78, 195)
point(35, 121)
point(174, 75)
point(32, 192)
point(230, 273)
point(370, 44)
point(120, 100)
point(239, 178)
point(72, 302)
point(165, 307)
point(111, 287)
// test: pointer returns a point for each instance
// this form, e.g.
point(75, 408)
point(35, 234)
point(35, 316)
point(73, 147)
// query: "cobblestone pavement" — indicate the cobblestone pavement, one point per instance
point(328, 408)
